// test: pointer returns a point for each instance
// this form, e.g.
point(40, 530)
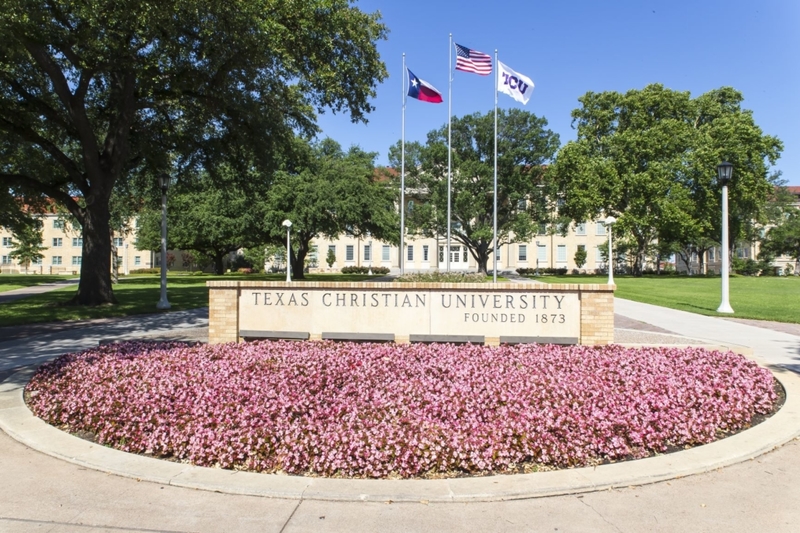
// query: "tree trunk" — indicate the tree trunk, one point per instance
point(298, 260)
point(94, 287)
point(480, 252)
point(219, 267)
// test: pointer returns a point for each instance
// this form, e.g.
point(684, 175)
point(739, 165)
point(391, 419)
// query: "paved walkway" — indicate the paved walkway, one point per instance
point(38, 492)
point(16, 294)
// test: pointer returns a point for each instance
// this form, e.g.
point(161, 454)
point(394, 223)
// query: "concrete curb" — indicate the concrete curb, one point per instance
point(18, 422)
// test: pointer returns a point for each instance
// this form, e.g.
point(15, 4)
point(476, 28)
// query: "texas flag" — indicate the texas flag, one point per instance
point(422, 90)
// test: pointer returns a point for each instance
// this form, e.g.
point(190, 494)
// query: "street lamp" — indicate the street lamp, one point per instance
point(610, 221)
point(724, 174)
point(163, 182)
point(288, 225)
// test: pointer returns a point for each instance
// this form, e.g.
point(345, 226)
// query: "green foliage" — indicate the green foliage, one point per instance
point(443, 277)
point(580, 256)
point(330, 258)
point(212, 217)
point(784, 238)
point(329, 192)
point(649, 158)
point(524, 145)
point(542, 271)
point(28, 244)
point(97, 98)
point(365, 270)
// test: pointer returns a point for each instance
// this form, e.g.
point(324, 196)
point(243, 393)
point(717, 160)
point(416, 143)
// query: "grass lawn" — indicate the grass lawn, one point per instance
point(135, 295)
point(761, 298)
point(9, 282)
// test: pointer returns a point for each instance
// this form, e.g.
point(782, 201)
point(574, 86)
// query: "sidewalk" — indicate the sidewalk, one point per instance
point(16, 294)
point(54, 495)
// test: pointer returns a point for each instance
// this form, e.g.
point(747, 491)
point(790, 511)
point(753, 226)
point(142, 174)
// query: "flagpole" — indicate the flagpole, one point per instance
point(449, 145)
point(496, 79)
point(403, 173)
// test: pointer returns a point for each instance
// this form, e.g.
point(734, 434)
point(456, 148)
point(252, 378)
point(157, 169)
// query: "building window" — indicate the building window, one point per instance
point(6, 259)
point(425, 253)
point(385, 252)
point(711, 254)
point(580, 229)
point(76, 260)
point(541, 252)
point(523, 252)
point(58, 224)
point(137, 260)
point(57, 241)
point(542, 229)
point(349, 253)
point(598, 255)
point(77, 242)
point(561, 253)
point(600, 228)
point(455, 251)
point(410, 252)
point(7, 242)
point(332, 248)
point(56, 260)
point(118, 242)
point(367, 252)
point(410, 206)
point(37, 261)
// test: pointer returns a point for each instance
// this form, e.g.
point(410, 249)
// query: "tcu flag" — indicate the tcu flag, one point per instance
point(517, 86)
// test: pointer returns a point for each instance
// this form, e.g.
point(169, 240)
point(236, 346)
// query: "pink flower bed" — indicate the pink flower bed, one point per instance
point(378, 410)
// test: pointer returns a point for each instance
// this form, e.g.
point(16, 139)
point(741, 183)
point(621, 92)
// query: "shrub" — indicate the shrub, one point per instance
point(442, 277)
point(746, 267)
point(145, 271)
point(542, 271)
point(364, 270)
point(245, 270)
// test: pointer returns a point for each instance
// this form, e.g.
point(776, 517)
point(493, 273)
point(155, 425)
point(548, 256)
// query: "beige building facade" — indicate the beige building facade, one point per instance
point(429, 254)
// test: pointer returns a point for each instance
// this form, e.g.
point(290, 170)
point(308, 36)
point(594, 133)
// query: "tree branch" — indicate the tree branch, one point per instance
point(31, 136)
point(27, 182)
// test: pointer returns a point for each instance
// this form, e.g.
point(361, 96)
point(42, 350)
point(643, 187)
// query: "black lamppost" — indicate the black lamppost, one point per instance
point(163, 182)
point(724, 175)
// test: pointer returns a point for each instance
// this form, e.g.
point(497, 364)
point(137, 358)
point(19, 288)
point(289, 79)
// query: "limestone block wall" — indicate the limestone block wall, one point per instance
point(412, 312)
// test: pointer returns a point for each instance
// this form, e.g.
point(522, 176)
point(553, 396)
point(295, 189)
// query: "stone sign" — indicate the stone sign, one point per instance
point(420, 312)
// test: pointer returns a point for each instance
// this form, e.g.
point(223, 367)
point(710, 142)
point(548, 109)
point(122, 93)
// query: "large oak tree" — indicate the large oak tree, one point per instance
point(524, 146)
point(95, 95)
point(649, 158)
point(330, 192)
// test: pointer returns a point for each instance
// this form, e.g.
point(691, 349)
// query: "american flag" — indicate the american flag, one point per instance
point(473, 61)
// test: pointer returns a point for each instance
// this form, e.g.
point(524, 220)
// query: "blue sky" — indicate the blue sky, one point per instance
point(570, 47)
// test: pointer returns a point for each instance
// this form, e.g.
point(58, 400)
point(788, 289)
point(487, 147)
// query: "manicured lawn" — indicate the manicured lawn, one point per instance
point(9, 282)
point(135, 295)
point(761, 298)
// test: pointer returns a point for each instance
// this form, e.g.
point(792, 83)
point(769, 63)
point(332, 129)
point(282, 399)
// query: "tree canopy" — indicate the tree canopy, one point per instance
point(524, 146)
point(95, 96)
point(330, 192)
point(649, 157)
point(210, 216)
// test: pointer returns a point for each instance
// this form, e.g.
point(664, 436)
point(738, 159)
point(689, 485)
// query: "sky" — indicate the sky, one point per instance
point(570, 47)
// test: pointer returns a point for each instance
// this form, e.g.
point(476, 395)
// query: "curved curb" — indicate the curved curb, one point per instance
point(18, 421)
